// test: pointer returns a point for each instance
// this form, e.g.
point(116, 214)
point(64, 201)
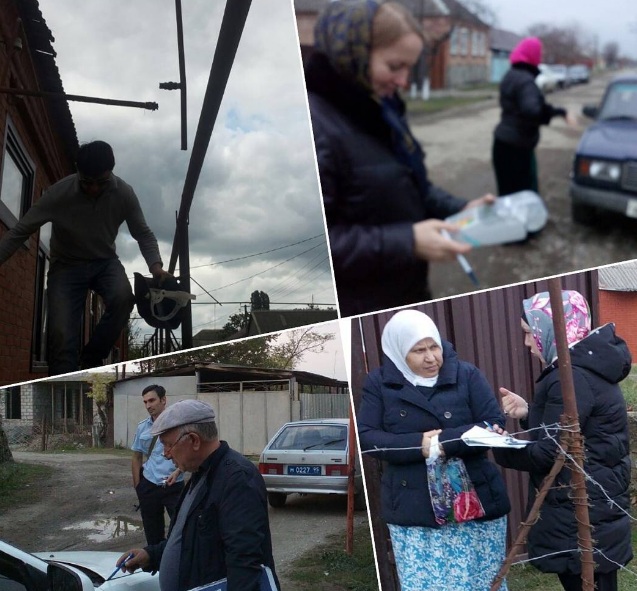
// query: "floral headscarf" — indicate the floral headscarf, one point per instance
point(343, 32)
point(539, 317)
point(401, 333)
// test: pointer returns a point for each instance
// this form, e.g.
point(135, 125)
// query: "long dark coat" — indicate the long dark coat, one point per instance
point(600, 362)
point(371, 198)
point(394, 414)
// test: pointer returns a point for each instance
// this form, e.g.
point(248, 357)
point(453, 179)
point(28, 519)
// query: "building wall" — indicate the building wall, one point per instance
point(29, 119)
point(620, 307)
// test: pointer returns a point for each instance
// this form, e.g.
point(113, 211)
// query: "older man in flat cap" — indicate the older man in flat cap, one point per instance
point(221, 526)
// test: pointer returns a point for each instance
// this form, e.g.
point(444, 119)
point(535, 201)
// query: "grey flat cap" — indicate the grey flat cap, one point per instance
point(181, 413)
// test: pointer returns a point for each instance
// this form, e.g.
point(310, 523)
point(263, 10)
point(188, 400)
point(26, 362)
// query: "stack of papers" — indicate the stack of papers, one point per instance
point(478, 436)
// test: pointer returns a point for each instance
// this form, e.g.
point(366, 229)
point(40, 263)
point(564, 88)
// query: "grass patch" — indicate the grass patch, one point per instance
point(19, 483)
point(329, 568)
point(524, 577)
point(434, 105)
point(629, 388)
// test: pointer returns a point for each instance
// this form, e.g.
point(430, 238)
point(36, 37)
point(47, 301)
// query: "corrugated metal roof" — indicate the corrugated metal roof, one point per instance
point(40, 40)
point(621, 277)
point(504, 40)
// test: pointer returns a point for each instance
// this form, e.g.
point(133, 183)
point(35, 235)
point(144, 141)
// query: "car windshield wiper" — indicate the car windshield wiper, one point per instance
point(325, 444)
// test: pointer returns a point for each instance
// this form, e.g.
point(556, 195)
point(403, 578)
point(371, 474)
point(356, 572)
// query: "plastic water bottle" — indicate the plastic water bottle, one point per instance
point(510, 219)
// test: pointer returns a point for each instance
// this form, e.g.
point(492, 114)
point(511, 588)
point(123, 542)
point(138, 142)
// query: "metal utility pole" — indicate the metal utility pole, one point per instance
point(234, 18)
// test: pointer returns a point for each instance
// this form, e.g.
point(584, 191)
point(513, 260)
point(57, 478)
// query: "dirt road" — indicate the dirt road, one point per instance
point(458, 146)
point(88, 504)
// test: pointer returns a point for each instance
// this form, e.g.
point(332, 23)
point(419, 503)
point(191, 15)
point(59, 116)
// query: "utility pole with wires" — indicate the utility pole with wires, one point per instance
point(571, 449)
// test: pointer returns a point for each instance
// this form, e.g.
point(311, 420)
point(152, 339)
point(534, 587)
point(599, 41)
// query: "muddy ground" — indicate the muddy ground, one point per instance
point(458, 146)
point(88, 504)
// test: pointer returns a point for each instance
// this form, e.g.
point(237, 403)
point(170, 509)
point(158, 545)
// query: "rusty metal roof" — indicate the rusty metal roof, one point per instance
point(40, 43)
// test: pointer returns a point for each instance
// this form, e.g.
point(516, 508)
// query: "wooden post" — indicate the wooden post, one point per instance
point(351, 470)
point(576, 450)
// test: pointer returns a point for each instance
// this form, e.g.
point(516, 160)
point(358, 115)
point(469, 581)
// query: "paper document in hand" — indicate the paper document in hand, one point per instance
point(265, 584)
point(478, 436)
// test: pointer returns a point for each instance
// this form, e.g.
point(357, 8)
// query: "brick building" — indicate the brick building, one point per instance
point(618, 301)
point(457, 47)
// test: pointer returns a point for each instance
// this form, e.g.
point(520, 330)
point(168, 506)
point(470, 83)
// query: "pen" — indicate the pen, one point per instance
point(489, 426)
point(120, 566)
point(464, 263)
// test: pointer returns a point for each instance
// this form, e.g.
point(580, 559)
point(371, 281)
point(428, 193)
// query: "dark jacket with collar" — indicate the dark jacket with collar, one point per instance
point(599, 363)
point(394, 414)
point(227, 533)
point(523, 108)
point(371, 199)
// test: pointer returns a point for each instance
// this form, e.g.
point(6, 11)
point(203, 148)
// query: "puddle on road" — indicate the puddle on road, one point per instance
point(108, 528)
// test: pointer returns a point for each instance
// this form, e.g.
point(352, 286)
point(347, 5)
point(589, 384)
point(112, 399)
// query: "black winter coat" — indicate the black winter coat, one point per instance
point(523, 108)
point(600, 362)
point(227, 532)
point(371, 199)
point(394, 414)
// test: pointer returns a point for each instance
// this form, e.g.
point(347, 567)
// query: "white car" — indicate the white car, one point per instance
point(561, 72)
point(68, 571)
point(546, 80)
point(310, 457)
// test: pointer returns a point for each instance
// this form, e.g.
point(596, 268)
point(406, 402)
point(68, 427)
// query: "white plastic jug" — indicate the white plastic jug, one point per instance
point(509, 219)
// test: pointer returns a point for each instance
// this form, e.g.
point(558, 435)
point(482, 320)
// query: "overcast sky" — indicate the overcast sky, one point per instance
point(258, 190)
point(611, 20)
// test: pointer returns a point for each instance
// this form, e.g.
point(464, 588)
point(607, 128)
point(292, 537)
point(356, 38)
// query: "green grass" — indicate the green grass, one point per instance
point(434, 105)
point(329, 568)
point(19, 484)
point(524, 577)
point(629, 388)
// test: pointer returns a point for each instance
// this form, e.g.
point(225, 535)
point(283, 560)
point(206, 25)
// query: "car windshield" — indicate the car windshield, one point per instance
point(316, 437)
point(620, 102)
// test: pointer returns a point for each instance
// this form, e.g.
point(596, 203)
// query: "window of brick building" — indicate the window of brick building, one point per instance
point(464, 41)
point(12, 407)
point(16, 180)
point(453, 42)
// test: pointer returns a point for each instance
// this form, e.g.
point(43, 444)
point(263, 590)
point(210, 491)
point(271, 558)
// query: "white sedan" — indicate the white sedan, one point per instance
point(71, 571)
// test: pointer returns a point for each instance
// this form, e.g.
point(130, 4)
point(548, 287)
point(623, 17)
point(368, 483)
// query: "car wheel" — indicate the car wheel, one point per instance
point(277, 500)
point(359, 501)
point(583, 214)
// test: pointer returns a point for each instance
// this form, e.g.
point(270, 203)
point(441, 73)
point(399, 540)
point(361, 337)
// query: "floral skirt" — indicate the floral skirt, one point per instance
point(456, 557)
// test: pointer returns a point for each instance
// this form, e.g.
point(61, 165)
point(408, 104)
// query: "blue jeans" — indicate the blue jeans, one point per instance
point(67, 287)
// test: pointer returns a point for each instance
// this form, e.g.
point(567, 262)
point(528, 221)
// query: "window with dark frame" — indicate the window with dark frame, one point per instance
point(16, 180)
point(12, 403)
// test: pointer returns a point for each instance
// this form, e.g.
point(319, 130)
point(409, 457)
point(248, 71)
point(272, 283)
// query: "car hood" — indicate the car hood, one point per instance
point(616, 140)
point(101, 563)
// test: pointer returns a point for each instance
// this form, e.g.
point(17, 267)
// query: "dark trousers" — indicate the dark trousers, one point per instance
point(153, 500)
point(515, 168)
point(603, 581)
point(67, 287)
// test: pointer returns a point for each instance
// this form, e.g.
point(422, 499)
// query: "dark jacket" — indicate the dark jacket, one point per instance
point(394, 414)
point(227, 533)
point(371, 199)
point(600, 362)
point(523, 108)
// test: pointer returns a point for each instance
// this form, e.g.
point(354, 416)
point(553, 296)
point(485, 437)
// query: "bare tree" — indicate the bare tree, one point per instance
point(610, 54)
point(5, 452)
point(564, 45)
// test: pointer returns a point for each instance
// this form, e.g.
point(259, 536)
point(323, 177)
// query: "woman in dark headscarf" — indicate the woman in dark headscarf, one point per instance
point(523, 111)
point(382, 212)
point(600, 360)
point(444, 501)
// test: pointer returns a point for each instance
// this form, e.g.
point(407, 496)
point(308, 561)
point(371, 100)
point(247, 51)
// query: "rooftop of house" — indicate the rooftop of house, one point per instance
point(621, 277)
point(266, 321)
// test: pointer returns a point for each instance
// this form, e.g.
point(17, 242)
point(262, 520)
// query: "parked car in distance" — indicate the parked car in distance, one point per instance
point(604, 175)
point(310, 457)
point(546, 80)
point(81, 571)
point(579, 74)
point(561, 74)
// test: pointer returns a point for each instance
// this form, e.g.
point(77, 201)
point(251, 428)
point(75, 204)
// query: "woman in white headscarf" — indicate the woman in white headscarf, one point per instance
point(444, 502)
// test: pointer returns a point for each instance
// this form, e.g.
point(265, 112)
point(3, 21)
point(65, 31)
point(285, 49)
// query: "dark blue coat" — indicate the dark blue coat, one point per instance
point(599, 362)
point(394, 414)
point(371, 198)
point(227, 532)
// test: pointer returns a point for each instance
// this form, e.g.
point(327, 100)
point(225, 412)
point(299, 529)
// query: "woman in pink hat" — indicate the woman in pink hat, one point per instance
point(523, 111)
